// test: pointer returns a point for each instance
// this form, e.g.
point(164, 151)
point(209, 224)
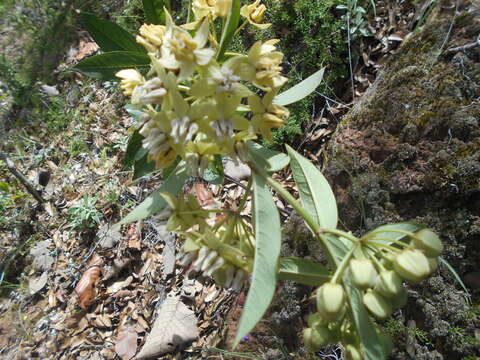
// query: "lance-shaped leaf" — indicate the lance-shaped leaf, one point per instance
point(315, 191)
point(303, 271)
point(267, 251)
point(104, 66)
point(387, 233)
point(275, 160)
point(229, 28)
point(301, 90)
point(155, 202)
point(109, 36)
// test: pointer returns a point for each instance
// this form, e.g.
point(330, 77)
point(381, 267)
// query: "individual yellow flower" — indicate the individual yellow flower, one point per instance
point(213, 8)
point(198, 156)
point(221, 121)
point(180, 51)
point(267, 116)
point(223, 79)
point(130, 79)
point(254, 14)
point(151, 37)
point(186, 213)
point(157, 141)
point(266, 61)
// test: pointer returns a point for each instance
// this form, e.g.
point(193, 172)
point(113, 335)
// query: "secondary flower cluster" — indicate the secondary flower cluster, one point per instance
point(196, 105)
point(223, 249)
point(379, 274)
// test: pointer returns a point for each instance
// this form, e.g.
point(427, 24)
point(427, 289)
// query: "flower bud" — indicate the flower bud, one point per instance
point(412, 265)
point(428, 242)
point(378, 306)
point(389, 284)
point(363, 273)
point(352, 353)
point(315, 338)
point(330, 301)
point(320, 336)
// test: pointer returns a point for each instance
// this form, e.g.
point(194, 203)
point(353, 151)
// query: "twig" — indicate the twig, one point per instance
point(464, 47)
point(31, 189)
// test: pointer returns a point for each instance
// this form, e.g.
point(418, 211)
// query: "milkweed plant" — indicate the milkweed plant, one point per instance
point(196, 102)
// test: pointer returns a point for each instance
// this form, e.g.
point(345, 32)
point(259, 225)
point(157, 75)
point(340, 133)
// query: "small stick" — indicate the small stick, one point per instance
point(464, 47)
point(21, 178)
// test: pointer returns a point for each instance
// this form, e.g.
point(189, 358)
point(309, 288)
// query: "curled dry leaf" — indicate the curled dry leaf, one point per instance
point(176, 325)
point(85, 288)
point(126, 344)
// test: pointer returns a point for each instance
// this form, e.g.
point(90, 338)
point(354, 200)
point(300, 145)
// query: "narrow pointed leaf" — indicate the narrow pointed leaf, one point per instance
point(155, 202)
point(267, 251)
point(142, 166)
point(456, 276)
point(109, 36)
point(301, 90)
point(315, 191)
point(384, 236)
point(134, 145)
point(276, 160)
point(229, 29)
point(303, 271)
point(369, 340)
point(104, 66)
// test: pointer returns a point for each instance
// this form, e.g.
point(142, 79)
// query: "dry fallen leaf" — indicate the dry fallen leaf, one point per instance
point(126, 344)
point(37, 284)
point(175, 325)
point(84, 289)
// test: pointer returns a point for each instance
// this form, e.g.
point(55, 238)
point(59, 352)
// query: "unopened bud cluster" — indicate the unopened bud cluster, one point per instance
point(379, 276)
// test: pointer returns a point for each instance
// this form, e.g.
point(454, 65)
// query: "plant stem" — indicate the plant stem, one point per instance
point(343, 265)
point(240, 28)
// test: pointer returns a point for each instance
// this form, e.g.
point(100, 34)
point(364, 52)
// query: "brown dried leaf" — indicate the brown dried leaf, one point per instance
point(85, 288)
point(126, 344)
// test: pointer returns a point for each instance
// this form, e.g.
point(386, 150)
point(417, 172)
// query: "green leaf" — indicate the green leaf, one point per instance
point(267, 251)
point(301, 90)
point(456, 276)
point(153, 10)
point(110, 36)
point(142, 166)
point(315, 191)
point(369, 340)
point(384, 236)
point(155, 202)
point(134, 144)
point(303, 271)
point(275, 160)
point(214, 173)
point(104, 66)
point(229, 28)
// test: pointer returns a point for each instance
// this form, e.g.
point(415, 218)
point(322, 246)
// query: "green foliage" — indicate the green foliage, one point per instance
point(84, 214)
point(267, 251)
point(311, 38)
point(315, 192)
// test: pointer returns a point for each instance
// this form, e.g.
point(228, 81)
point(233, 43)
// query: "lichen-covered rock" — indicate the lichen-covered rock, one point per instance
point(410, 151)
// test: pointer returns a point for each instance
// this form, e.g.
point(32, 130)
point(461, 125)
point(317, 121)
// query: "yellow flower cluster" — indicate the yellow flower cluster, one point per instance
point(196, 106)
